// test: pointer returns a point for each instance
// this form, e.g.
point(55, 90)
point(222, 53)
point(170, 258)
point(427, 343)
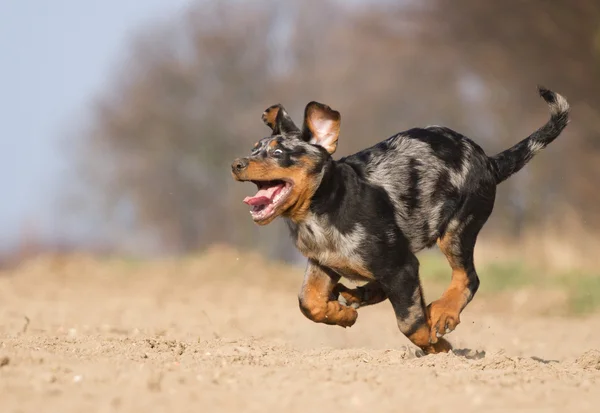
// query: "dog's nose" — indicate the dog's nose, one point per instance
point(239, 164)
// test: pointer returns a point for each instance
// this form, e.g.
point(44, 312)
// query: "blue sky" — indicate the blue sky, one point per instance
point(55, 56)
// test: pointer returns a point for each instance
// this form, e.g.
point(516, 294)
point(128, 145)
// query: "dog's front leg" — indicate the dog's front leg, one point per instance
point(316, 298)
point(369, 294)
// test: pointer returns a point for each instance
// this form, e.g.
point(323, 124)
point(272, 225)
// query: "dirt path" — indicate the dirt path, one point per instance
point(224, 334)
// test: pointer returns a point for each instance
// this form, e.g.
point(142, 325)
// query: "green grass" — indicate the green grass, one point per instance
point(502, 276)
point(584, 291)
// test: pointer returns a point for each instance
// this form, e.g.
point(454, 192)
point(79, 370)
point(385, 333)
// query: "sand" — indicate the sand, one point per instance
point(223, 333)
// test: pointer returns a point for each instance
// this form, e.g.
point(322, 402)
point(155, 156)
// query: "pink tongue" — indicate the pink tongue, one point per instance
point(263, 196)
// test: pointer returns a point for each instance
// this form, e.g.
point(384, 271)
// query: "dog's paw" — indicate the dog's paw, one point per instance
point(348, 318)
point(348, 301)
point(443, 317)
point(441, 346)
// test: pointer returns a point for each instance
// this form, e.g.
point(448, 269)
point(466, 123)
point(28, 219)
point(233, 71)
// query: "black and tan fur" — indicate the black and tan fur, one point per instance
point(364, 217)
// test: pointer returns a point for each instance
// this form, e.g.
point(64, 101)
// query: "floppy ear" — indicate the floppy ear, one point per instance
point(321, 126)
point(276, 118)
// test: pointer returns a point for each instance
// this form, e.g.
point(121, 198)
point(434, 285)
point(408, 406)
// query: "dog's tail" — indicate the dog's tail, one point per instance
point(512, 160)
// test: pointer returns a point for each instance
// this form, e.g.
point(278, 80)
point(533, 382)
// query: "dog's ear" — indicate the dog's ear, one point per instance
point(276, 118)
point(321, 126)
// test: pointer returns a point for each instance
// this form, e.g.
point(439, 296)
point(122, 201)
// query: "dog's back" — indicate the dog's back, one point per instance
point(427, 172)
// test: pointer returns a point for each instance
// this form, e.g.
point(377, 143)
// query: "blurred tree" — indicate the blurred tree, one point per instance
point(161, 141)
point(522, 43)
point(189, 95)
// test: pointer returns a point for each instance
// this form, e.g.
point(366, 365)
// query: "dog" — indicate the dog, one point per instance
point(365, 216)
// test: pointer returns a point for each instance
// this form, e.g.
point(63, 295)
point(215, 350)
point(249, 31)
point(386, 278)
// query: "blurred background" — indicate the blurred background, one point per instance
point(120, 118)
point(132, 277)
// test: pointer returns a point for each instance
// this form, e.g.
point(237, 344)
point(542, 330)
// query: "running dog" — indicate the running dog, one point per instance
point(363, 217)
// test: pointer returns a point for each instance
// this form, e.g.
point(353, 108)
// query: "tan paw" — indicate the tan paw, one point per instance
point(443, 317)
point(441, 346)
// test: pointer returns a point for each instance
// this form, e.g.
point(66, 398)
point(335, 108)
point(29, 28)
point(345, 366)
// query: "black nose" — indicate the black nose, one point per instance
point(239, 165)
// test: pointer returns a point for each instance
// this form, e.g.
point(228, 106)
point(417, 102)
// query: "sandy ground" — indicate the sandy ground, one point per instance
point(223, 333)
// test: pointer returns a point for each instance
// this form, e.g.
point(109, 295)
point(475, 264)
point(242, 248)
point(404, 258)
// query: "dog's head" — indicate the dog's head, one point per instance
point(288, 165)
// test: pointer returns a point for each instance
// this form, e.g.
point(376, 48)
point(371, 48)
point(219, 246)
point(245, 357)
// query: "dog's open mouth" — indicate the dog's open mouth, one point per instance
point(270, 195)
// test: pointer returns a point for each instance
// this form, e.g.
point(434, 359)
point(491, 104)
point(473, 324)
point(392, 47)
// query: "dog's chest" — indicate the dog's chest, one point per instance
point(318, 240)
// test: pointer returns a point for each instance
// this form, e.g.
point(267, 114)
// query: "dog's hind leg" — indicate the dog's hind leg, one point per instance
point(458, 245)
point(403, 288)
point(317, 301)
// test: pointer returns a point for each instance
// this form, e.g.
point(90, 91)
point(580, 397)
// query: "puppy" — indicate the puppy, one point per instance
point(364, 217)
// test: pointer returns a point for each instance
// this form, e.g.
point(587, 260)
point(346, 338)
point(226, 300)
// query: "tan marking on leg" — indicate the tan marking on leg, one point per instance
point(444, 313)
point(417, 314)
point(315, 303)
point(368, 294)
point(420, 338)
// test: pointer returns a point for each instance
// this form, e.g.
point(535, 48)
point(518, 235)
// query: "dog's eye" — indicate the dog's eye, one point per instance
point(277, 152)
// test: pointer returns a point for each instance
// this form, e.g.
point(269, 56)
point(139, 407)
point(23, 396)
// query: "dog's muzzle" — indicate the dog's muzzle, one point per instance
point(238, 166)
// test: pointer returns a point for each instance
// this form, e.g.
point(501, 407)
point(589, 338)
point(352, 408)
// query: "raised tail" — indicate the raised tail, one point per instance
point(511, 161)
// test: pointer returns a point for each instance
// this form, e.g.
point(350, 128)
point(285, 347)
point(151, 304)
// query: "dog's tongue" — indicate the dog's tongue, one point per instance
point(264, 196)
